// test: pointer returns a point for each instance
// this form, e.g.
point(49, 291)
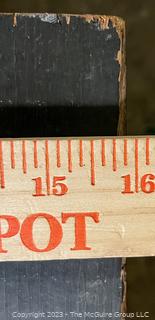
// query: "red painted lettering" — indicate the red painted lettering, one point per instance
point(80, 227)
point(13, 229)
point(27, 232)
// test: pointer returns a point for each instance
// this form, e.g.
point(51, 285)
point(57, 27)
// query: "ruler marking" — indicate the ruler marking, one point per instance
point(12, 154)
point(103, 152)
point(147, 151)
point(114, 155)
point(35, 154)
point(58, 153)
point(81, 157)
point(47, 167)
point(125, 152)
point(92, 156)
point(2, 177)
point(136, 166)
point(70, 155)
point(24, 157)
point(81, 153)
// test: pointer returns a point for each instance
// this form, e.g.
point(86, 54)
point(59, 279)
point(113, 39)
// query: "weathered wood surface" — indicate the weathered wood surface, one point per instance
point(82, 285)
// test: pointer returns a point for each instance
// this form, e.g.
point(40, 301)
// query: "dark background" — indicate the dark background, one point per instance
point(140, 23)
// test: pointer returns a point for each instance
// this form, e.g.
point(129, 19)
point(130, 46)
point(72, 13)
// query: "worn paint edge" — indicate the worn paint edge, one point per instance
point(44, 17)
point(124, 288)
point(121, 58)
point(51, 17)
point(102, 19)
point(121, 130)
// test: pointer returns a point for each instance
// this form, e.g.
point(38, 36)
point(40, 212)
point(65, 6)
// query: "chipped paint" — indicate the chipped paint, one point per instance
point(45, 17)
point(103, 20)
point(121, 58)
point(68, 18)
point(50, 18)
point(120, 55)
point(14, 20)
point(124, 287)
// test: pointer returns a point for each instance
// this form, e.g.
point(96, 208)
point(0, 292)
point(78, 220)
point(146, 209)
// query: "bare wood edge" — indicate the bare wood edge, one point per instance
point(124, 287)
point(122, 130)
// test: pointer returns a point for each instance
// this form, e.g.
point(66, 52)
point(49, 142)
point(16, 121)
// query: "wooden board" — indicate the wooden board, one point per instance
point(65, 287)
point(77, 198)
point(75, 63)
point(40, 60)
point(61, 286)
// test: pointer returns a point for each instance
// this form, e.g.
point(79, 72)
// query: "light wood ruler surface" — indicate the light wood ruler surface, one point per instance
point(77, 198)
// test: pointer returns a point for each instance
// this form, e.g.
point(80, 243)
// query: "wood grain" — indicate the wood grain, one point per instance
point(125, 209)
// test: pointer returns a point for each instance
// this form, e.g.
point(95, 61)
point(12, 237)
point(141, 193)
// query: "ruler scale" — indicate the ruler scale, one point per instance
point(72, 198)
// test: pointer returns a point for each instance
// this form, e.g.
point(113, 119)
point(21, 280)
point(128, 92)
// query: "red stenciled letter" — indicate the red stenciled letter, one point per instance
point(13, 229)
point(27, 232)
point(80, 227)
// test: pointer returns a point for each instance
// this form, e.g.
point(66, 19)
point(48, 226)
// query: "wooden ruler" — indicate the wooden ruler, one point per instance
point(77, 198)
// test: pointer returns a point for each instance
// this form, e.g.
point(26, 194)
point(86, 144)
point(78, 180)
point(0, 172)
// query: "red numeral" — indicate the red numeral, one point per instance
point(127, 184)
point(59, 188)
point(148, 183)
point(38, 185)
